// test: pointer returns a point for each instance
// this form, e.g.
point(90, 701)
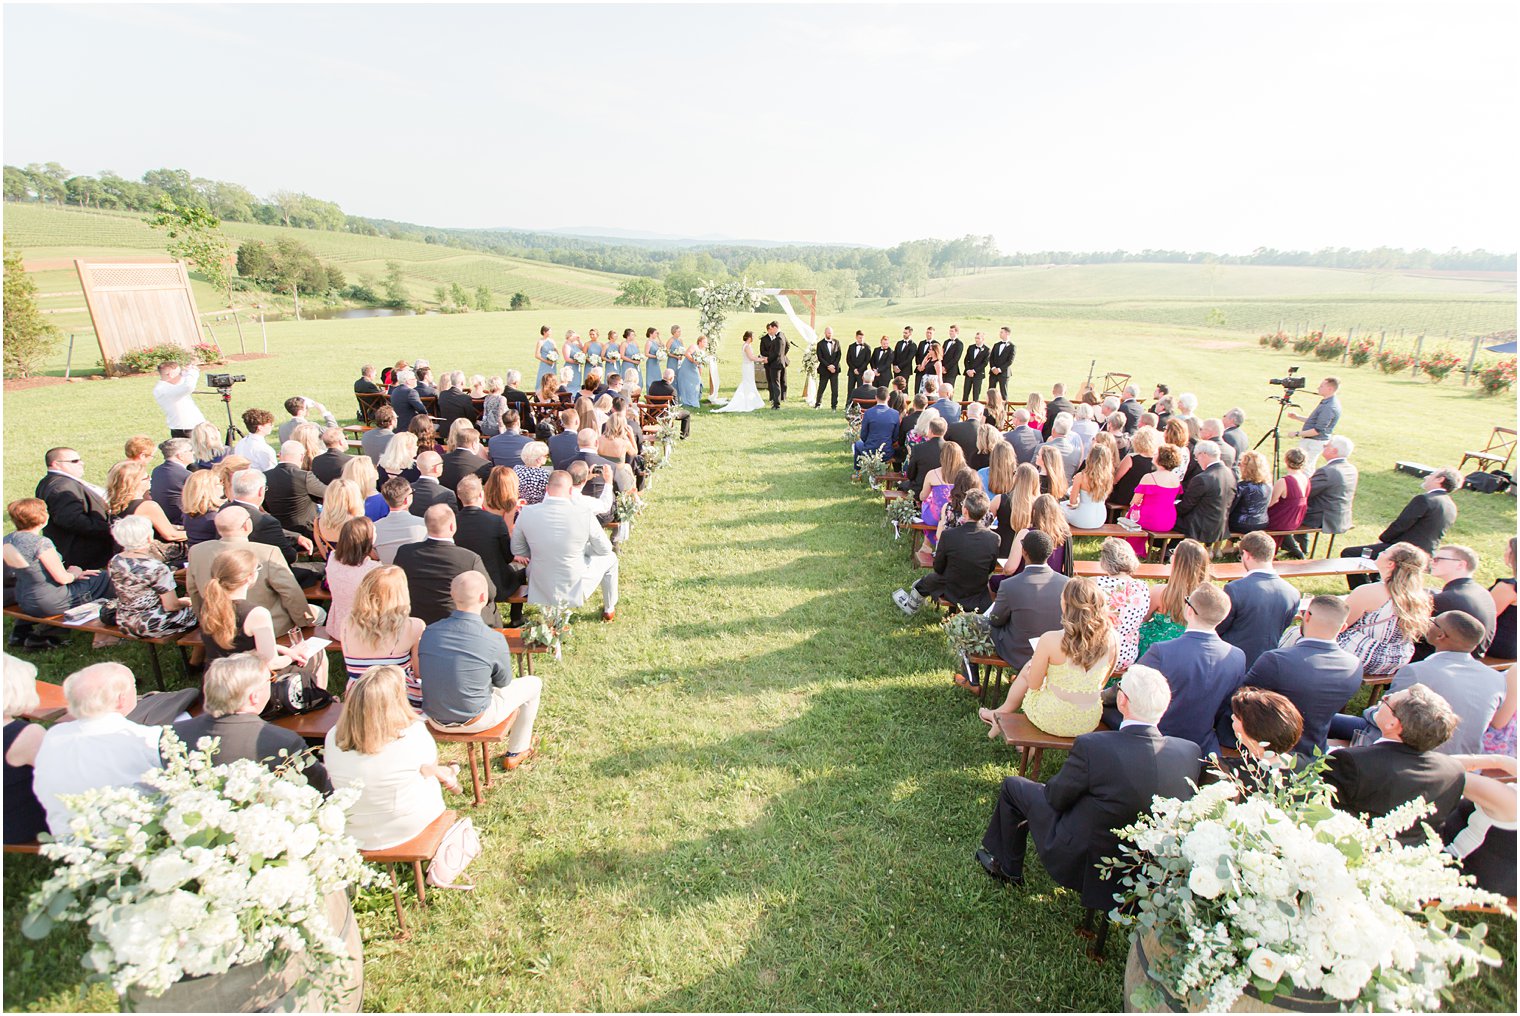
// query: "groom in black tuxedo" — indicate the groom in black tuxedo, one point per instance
point(773, 348)
point(856, 359)
point(828, 369)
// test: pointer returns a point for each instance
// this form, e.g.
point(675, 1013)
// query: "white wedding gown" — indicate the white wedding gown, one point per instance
point(746, 397)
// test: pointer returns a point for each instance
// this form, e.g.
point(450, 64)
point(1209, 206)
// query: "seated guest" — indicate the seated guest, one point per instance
point(206, 446)
point(1204, 510)
point(467, 682)
point(582, 479)
point(586, 452)
point(398, 526)
point(1289, 499)
point(1083, 426)
point(1267, 727)
point(965, 431)
point(866, 389)
point(291, 492)
point(276, 588)
point(1233, 435)
point(487, 534)
point(1066, 444)
point(340, 505)
point(298, 408)
point(427, 490)
point(1454, 565)
point(168, 479)
point(942, 403)
point(1134, 466)
point(328, 466)
point(1503, 594)
point(665, 387)
point(1087, 504)
point(255, 447)
point(236, 691)
point(454, 403)
point(1027, 605)
point(1012, 488)
point(400, 459)
point(565, 550)
point(99, 748)
point(1024, 438)
point(148, 604)
point(517, 399)
point(248, 490)
point(1248, 513)
point(1474, 691)
point(374, 441)
point(501, 495)
point(1315, 674)
point(565, 446)
point(1332, 489)
point(505, 449)
point(127, 495)
point(366, 383)
point(425, 386)
point(231, 623)
point(532, 474)
point(1128, 598)
point(380, 629)
point(1423, 522)
point(1044, 515)
point(924, 457)
point(309, 437)
point(1052, 467)
point(361, 472)
point(1190, 569)
point(963, 559)
point(202, 497)
point(1389, 616)
point(406, 400)
point(1402, 764)
point(1481, 833)
point(381, 746)
point(1154, 505)
point(1262, 605)
point(44, 587)
point(1059, 689)
point(492, 405)
point(1109, 780)
point(464, 459)
point(352, 558)
point(24, 817)
point(431, 565)
point(877, 425)
point(1202, 670)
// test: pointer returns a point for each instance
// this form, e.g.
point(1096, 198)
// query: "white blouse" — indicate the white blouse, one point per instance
point(397, 801)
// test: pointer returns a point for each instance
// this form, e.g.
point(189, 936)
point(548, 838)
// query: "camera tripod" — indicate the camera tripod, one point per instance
point(1283, 402)
point(233, 433)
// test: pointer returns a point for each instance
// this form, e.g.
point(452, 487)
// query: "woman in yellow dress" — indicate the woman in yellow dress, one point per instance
point(1059, 687)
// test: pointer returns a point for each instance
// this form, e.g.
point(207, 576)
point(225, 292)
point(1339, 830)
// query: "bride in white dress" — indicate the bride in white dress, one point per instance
point(747, 397)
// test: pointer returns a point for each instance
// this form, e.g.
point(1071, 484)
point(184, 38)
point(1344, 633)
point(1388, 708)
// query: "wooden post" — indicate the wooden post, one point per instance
point(262, 330)
point(1381, 336)
point(295, 294)
point(239, 322)
point(68, 364)
point(1349, 336)
point(1418, 343)
point(1472, 357)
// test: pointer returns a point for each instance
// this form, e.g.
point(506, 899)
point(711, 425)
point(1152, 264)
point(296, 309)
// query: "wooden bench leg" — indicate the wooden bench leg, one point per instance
point(1036, 762)
point(469, 750)
point(485, 761)
point(158, 670)
point(396, 896)
point(421, 882)
point(1377, 693)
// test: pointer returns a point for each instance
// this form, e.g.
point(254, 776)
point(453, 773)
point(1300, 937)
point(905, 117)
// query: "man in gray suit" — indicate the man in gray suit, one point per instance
point(1331, 490)
point(565, 550)
point(1262, 605)
point(274, 588)
point(1063, 441)
point(941, 401)
point(1027, 606)
point(1024, 438)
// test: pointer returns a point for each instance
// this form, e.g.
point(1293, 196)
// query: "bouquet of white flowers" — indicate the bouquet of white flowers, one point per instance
point(810, 362)
point(578, 357)
point(872, 465)
point(594, 360)
point(613, 356)
point(701, 357)
point(1278, 893)
point(214, 866)
point(549, 628)
point(552, 356)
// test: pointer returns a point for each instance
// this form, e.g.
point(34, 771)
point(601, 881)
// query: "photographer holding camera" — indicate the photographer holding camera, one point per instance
point(176, 383)
point(1319, 426)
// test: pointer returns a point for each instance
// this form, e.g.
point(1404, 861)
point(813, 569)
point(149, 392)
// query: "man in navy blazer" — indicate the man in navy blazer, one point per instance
point(1262, 605)
point(168, 480)
point(405, 400)
point(1315, 673)
point(505, 449)
point(1202, 669)
point(878, 425)
point(1109, 779)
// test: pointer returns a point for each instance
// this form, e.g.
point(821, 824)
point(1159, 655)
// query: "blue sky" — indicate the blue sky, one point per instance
point(1078, 126)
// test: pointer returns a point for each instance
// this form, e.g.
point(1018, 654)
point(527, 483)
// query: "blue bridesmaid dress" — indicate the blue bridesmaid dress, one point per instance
point(577, 370)
point(595, 349)
point(544, 349)
point(631, 350)
point(688, 383)
point(652, 354)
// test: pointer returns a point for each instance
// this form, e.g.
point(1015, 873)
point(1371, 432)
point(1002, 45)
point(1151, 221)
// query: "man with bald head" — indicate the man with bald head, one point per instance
point(274, 588)
point(428, 488)
point(100, 748)
point(466, 671)
point(291, 492)
point(432, 565)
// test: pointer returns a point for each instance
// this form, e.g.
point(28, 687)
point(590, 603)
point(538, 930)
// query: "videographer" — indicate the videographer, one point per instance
point(1319, 426)
point(176, 383)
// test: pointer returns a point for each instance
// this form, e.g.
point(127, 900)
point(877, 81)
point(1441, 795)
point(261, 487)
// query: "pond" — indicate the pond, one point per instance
point(325, 313)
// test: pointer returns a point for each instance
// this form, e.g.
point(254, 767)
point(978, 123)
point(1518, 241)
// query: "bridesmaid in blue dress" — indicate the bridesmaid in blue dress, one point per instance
point(594, 348)
point(574, 348)
point(545, 347)
point(631, 355)
point(653, 350)
point(688, 380)
point(675, 349)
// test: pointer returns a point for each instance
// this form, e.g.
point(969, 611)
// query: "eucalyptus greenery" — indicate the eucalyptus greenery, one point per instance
point(716, 299)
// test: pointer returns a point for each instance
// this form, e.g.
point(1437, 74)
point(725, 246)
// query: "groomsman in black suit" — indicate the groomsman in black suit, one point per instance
point(773, 350)
point(919, 353)
point(1001, 363)
point(881, 363)
point(828, 353)
point(856, 359)
point(905, 356)
point(951, 355)
point(975, 367)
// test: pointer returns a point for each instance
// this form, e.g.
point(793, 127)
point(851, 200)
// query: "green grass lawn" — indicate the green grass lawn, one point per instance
point(758, 788)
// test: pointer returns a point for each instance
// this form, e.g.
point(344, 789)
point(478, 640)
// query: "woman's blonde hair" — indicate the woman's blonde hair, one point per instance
point(1190, 569)
point(226, 469)
point(586, 414)
point(360, 471)
point(1253, 467)
point(1002, 467)
point(495, 385)
point(341, 503)
point(1106, 439)
point(309, 437)
point(230, 570)
point(1412, 604)
point(1117, 557)
point(375, 711)
point(400, 453)
point(988, 438)
point(548, 387)
point(1100, 473)
point(1036, 406)
point(1087, 632)
point(1145, 441)
point(122, 484)
point(997, 409)
point(382, 607)
point(1055, 471)
point(1045, 515)
point(534, 450)
point(20, 687)
point(1026, 487)
point(952, 459)
point(203, 493)
point(206, 442)
point(459, 425)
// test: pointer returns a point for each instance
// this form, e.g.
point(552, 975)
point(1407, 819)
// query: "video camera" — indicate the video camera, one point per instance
point(225, 381)
point(1290, 384)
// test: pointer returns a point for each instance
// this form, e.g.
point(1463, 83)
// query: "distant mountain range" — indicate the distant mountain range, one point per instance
point(667, 241)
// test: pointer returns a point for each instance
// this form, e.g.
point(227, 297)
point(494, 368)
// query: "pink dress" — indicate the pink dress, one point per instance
point(1156, 512)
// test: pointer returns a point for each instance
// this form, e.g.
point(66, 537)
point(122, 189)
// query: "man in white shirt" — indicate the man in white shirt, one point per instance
point(255, 447)
point(298, 407)
point(100, 748)
point(580, 473)
point(400, 527)
point(172, 392)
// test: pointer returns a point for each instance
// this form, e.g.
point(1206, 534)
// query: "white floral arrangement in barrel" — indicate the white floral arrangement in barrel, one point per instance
point(212, 867)
point(1278, 892)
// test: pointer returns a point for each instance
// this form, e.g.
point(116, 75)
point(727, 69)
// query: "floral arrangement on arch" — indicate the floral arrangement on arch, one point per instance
point(1277, 893)
point(212, 867)
point(716, 299)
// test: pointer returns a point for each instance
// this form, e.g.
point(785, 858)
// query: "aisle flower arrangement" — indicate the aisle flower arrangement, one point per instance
point(1278, 893)
point(902, 512)
point(549, 628)
point(968, 636)
point(212, 867)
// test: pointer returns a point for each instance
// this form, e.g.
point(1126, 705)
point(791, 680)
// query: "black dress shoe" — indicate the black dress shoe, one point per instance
point(41, 644)
point(991, 867)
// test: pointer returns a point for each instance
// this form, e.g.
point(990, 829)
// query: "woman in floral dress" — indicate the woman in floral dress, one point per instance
point(148, 602)
point(1129, 598)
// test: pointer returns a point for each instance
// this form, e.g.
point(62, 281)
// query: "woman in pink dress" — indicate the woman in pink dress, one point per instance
point(1154, 507)
point(1290, 495)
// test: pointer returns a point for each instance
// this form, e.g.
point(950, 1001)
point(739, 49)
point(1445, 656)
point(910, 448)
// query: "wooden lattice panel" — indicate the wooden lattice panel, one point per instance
point(138, 304)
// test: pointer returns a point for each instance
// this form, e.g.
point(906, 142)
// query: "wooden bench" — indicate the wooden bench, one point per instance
point(313, 726)
point(23, 848)
point(1157, 542)
point(994, 668)
point(96, 628)
point(50, 703)
point(417, 851)
point(484, 738)
point(1032, 743)
point(1499, 450)
point(522, 653)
